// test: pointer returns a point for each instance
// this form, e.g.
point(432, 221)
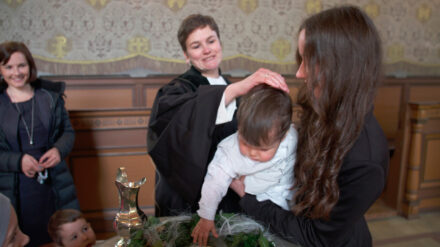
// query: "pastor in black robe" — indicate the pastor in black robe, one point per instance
point(182, 139)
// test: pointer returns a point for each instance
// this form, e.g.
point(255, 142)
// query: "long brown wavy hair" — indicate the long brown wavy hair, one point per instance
point(343, 59)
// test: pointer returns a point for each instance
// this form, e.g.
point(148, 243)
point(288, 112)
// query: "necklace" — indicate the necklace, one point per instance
point(29, 133)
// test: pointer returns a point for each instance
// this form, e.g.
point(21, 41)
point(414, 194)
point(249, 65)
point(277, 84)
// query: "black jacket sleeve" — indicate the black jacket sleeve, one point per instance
point(64, 134)
point(9, 161)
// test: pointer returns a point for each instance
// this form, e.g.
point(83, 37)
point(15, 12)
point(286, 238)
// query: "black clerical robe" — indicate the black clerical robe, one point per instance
point(182, 139)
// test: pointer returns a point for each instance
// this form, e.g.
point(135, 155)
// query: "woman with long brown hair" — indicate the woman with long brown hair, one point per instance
point(342, 156)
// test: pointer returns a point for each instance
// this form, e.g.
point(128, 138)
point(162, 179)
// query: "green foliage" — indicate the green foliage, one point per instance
point(184, 234)
point(178, 233)
point(137, 239)
point(248, 240)
point(151, 221)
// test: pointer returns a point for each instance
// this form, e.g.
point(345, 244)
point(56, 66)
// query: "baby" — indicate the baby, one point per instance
point(262, 150)
point(69, 228)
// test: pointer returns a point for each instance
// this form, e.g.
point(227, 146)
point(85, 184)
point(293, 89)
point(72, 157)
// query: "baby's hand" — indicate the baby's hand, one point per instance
point(201, 231)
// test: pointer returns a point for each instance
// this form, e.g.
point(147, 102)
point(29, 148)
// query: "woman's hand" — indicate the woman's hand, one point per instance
point(30, 166)
point(50, 158)
point(260, 76)
point(201, 231)
point(237, 185)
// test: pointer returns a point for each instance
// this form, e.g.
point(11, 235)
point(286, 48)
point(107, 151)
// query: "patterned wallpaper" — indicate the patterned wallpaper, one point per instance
point(138, 37)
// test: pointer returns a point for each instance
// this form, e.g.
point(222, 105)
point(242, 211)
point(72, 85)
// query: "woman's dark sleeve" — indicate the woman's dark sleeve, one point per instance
point(9, 161)
point(64, 143)
point(359, 188)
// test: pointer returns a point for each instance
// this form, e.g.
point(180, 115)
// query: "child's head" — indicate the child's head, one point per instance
point(264, 117)
point(68, 228)
point(10, 233)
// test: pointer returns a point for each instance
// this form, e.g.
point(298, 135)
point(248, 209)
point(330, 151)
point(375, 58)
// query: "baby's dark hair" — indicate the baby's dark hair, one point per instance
point(60, 218)
point(264, 115)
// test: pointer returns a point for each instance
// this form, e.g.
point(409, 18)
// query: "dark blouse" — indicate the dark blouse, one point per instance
point(40, 134)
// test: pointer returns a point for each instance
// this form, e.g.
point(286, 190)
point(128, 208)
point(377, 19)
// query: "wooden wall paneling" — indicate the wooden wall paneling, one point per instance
point(411, 199)
point(430, 182)
point(139, 99)
point(429, 204)
point(106, 140)
point(389, 113)
point(424, 93)
point(150, 95)
point(422, 189)
point(411, 89)
point(395, 186)
point(99, 92)
point(110, 139)
point(387, 110)
point(110, 128)
point(95, 179)
point(99, 98)
point(150, 88)
point(432, 158)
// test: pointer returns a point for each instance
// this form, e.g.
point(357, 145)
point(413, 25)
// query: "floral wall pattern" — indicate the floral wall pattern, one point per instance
point(138, 37)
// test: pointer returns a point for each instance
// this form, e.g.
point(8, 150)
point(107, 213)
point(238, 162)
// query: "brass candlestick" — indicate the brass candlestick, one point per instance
point(130, 216)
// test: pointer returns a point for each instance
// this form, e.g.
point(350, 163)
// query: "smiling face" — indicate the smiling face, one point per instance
point(204, 51)
point(77, 234)
point(16, 71)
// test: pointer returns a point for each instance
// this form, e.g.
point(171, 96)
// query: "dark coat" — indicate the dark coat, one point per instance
point(182, 139)
point(50, 105)
point(361, 180)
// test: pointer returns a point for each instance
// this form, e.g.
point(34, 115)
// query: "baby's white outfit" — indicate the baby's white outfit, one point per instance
point(271, 180)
